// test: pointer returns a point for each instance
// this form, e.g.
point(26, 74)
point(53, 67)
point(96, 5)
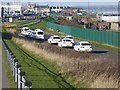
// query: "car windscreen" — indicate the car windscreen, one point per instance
point(56, 37)
point(86, 44)
point(77, 43)
point(70, 37)
point(67, 40)
point(26, 29)
point(40, 32)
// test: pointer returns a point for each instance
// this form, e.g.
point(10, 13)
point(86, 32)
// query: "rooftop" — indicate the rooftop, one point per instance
point(111, 18)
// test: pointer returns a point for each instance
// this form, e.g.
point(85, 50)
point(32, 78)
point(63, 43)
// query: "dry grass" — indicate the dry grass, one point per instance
point(12, 31)
point(98, 71)
point(101, 82)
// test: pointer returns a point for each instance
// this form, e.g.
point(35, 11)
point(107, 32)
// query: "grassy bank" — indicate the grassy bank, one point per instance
point(8, 70)
point(42, 73)
point(83, 69)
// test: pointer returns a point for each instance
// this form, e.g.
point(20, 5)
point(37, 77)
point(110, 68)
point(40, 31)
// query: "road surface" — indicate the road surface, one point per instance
point(98, 52)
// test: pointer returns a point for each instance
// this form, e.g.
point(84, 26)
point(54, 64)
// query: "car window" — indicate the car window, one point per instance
point(70, 37)
point(26, 29)
point(68, 40)
point(77, 44)
point(40, 33)
point(56, 37)
point(86, 44)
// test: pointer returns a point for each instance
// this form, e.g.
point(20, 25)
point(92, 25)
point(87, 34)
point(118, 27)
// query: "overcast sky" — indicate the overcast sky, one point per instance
point(63, 0)
point(70, 0)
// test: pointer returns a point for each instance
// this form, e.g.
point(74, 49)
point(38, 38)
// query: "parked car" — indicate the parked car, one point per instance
point(65, 43)
point(25, 31)
point(38, 34)
point(54, 39)
point(83, 46)
point(69, 37)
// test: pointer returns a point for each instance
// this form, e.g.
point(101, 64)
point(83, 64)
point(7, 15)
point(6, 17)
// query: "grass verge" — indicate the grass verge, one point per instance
point(84, 70)
point(41, 72)
point(7, 70)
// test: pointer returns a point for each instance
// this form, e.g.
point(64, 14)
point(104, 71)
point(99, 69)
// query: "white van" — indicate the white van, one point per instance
point(38, 34)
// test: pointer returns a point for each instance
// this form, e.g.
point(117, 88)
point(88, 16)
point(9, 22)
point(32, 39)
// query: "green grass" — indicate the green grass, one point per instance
point(21, 22)
point(107, 47)
point(8, 70)
point(102, 46)
point(42, 73)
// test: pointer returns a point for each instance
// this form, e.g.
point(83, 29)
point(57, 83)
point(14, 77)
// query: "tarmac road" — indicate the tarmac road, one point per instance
point(97, 51)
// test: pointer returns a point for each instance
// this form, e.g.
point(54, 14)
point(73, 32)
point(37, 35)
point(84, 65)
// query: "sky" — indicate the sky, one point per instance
point(64, 0)
point(69, 2)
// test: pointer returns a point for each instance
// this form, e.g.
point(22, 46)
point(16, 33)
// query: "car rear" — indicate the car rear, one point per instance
point(67, 43)
point(25, 31)
point(85, 46)
point(71, 38)
point(39, 35)
point(56, 39)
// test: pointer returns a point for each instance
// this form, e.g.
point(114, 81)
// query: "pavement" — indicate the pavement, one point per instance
point(3, 75)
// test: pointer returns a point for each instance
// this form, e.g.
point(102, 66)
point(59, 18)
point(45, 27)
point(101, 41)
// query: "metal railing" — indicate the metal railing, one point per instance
point(18, 74)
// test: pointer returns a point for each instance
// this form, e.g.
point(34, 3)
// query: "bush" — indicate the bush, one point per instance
point(9, 25)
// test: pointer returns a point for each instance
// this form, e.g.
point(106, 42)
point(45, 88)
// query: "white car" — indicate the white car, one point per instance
point(25, 31)
point(54, 39)
point(31, 34)
point(83, 46)
point(69, 37)
point(65, 43)
point(38, 34)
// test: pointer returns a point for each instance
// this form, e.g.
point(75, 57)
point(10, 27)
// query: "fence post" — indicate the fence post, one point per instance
point(14, 68)
point(10, 56)
point(19, 70)
point(22, 74)
point(23, 81)
point(18, 66)
point(28, 85)
point(16, 71)
point(12, 62)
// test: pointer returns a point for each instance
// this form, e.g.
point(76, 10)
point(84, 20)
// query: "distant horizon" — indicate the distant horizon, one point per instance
point(74, 3)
